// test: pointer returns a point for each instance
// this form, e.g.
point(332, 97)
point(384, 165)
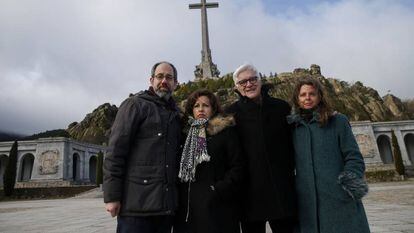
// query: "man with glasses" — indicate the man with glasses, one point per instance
point(269, 192)
point(140, 167)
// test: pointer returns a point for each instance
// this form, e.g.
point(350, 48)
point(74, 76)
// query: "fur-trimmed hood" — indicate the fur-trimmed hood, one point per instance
point(214, 126)
point(219, 123)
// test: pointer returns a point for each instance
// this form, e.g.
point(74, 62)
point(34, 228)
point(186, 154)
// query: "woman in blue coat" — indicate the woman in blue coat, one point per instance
point(329, 166)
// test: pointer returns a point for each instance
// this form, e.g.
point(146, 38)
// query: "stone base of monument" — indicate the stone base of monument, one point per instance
point(46, 192)
point(51, 183)
point(383, 173)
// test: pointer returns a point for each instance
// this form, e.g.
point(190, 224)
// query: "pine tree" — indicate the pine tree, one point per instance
point(99, 171)
point(399, 165)
point(9, 178)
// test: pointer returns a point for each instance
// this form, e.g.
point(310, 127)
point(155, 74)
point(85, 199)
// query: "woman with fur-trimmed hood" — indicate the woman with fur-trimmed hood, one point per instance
point(211, 169)
point(329, 166)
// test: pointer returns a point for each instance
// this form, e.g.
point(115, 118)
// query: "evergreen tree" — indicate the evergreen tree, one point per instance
point(9, 178)
point(399, 165)
point(99, 171)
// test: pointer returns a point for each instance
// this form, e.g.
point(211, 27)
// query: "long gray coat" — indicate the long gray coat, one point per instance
point(329, 176)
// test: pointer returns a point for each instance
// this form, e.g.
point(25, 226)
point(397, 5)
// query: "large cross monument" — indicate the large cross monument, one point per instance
point(207, 69)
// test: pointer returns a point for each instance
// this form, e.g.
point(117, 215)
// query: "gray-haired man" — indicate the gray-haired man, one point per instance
point(269, 194)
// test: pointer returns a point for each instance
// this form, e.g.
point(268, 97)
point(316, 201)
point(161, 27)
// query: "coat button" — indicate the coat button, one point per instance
point(159, 134)
point(145, 181)
point(166, 166)
point(166, 189)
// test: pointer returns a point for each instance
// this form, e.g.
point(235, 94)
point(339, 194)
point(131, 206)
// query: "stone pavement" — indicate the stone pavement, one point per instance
point(389, 206)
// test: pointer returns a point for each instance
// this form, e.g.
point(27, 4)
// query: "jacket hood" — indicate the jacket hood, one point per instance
point(219, 123)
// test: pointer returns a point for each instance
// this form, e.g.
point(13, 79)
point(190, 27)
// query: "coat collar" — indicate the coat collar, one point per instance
point(295, 118)
point(219, 123)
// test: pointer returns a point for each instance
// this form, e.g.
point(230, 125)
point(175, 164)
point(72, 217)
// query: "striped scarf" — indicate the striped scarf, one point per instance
point(195, 149)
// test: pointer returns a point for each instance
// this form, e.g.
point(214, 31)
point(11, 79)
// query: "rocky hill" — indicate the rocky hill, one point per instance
point(355, 100)
point(94, 128)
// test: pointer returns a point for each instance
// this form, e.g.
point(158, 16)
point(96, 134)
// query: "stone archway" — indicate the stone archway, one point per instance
point(76, 167)
point(385, 150)
point(409, 144)
point(3, 164)
point(26, 167)
point(92, 169)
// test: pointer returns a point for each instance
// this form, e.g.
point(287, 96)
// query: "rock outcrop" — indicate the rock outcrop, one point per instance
point(95, 127)
point(396, 106)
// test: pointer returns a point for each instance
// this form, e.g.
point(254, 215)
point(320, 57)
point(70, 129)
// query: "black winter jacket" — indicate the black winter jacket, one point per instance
point(214, 211)
point(269, 191)
point(140, 166)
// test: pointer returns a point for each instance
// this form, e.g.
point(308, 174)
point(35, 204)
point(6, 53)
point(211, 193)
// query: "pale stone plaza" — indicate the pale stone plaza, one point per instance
point(389, 206)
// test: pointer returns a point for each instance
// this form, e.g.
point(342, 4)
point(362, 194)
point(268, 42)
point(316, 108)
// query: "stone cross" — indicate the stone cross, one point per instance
point(207, 69)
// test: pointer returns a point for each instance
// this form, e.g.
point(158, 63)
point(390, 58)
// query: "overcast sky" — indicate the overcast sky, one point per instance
point(59, 60)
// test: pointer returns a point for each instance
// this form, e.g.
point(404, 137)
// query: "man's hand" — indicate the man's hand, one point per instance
point(113, 208)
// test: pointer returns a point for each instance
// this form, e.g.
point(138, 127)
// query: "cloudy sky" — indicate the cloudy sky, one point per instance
point(59, 60)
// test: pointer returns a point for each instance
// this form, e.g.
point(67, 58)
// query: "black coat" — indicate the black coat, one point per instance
point(140, 166)
point(269, 191)
point(214, 210)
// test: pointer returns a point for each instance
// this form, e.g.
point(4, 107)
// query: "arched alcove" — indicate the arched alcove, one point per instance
point(3, 164)
point(385, 150)
point(76, 167)
point(26, 167)
point(92, 169)
point(409, 144)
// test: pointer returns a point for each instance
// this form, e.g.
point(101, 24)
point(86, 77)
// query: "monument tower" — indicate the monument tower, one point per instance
point(207, 69)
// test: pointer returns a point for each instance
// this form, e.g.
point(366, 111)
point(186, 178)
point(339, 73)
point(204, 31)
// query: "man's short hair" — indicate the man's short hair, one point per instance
point(243, 68)
point(154, 67)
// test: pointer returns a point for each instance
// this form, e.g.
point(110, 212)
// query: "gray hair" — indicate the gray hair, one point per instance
point(243, 68)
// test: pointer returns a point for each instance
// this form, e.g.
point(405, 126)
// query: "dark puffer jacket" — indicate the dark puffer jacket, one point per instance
point(269, 190)
point(214, 211)
point(140, 167)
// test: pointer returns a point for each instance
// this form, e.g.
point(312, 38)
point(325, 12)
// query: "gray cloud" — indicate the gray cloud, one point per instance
point(61, 59)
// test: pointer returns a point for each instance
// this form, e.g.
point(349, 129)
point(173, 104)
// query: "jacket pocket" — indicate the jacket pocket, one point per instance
point(337, 192)
point(332, 189)
point(144, 190)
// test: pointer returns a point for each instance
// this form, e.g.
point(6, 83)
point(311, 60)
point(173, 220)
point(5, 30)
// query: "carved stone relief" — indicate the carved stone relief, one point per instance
point(365, 143)
point(48, 162)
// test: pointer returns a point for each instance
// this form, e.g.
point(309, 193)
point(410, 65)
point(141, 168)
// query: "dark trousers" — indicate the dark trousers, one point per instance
point(285, 225)
point(150, 224)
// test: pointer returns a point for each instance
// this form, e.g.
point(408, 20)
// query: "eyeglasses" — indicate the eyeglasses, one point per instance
point(167, 77)
point(243, 82)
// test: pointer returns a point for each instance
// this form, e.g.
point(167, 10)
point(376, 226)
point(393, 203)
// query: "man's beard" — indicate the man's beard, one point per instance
point(163, 94)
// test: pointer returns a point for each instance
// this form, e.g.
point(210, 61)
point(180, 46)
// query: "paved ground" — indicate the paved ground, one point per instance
point(389, 206)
